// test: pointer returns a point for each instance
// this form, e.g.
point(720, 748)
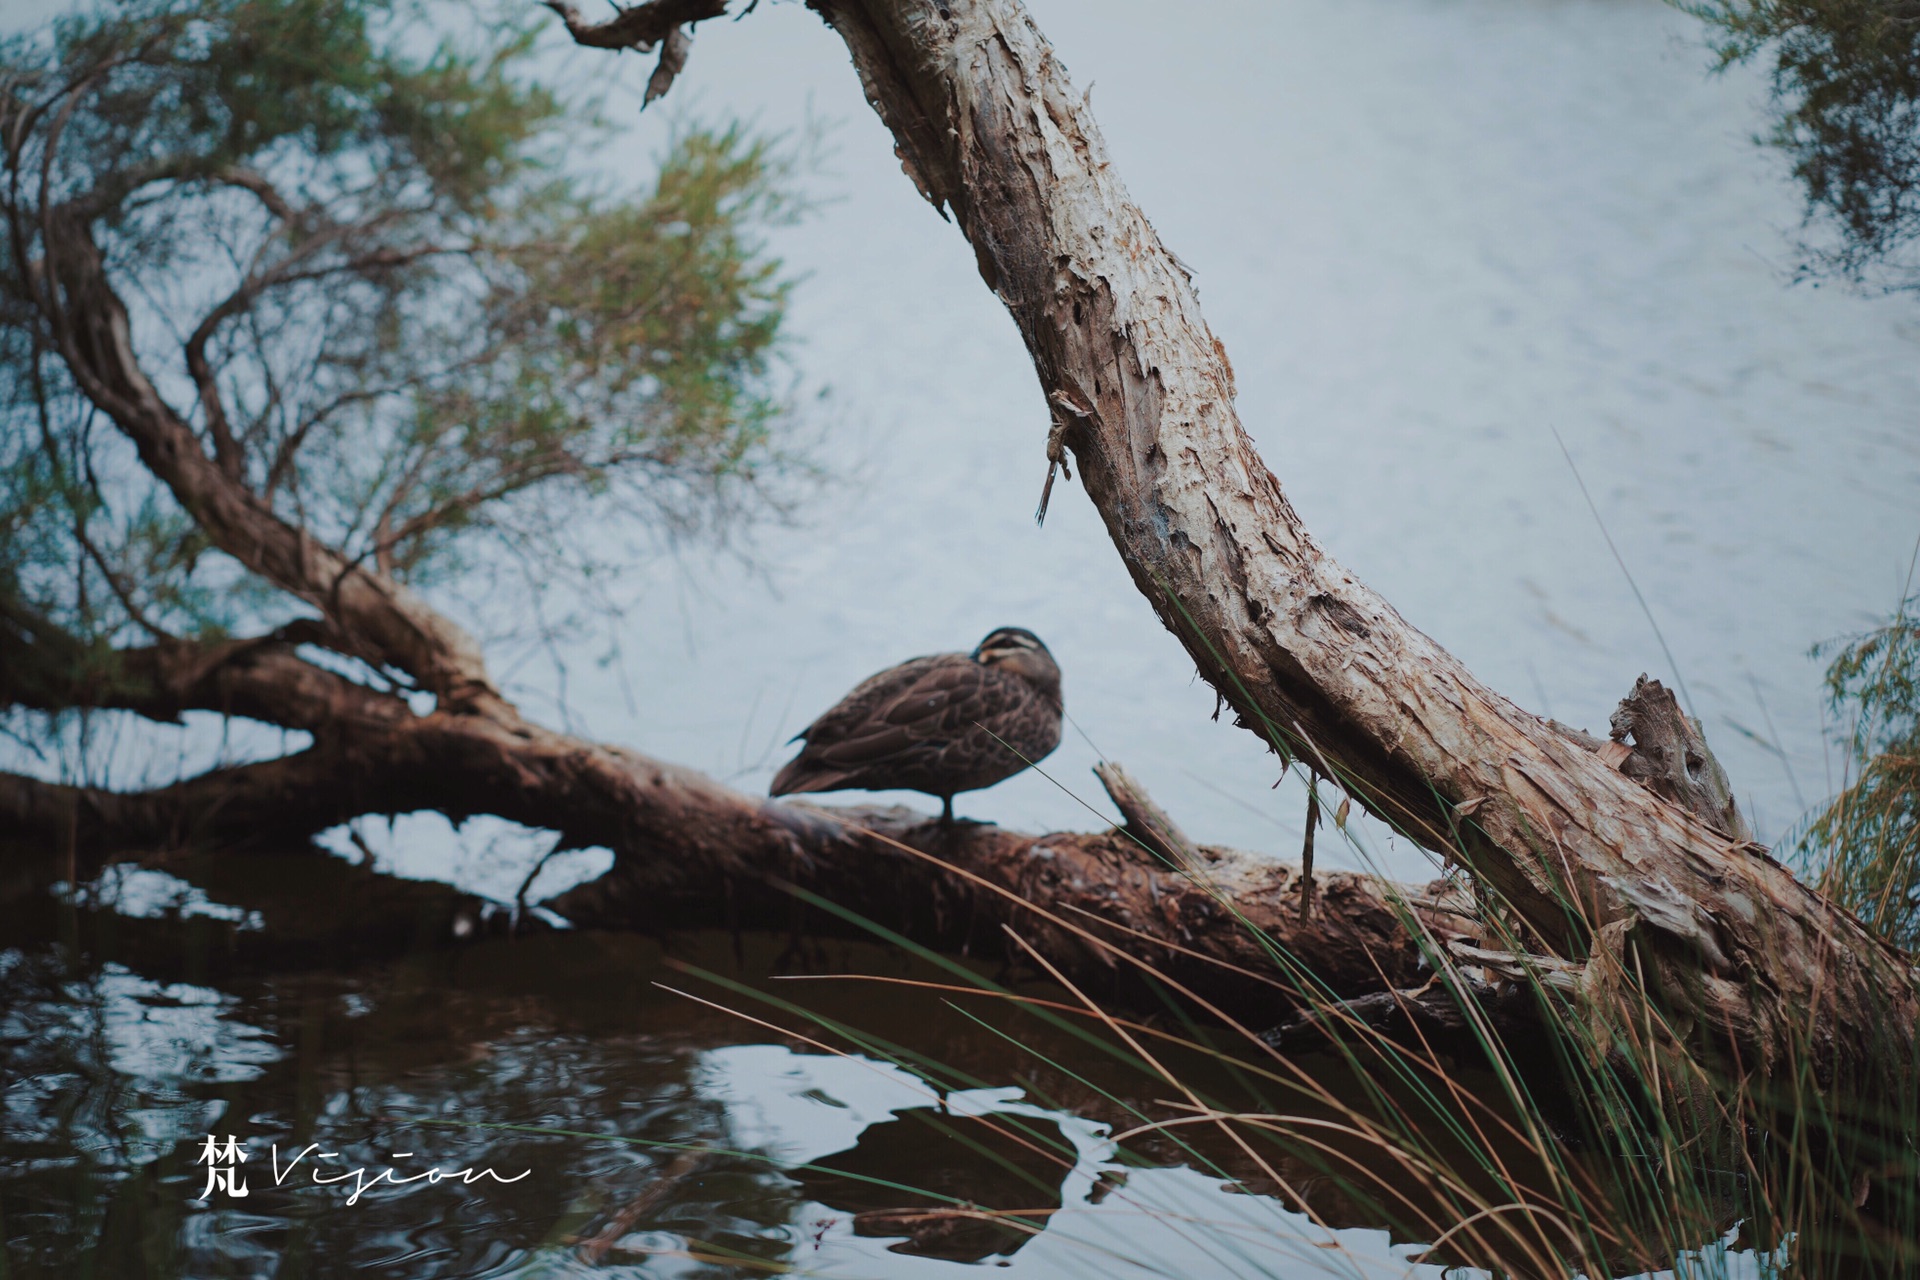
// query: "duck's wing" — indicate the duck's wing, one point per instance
point(893, 729)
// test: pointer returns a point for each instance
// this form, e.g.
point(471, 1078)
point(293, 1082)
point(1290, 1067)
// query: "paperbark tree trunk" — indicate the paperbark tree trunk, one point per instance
point(990, 130)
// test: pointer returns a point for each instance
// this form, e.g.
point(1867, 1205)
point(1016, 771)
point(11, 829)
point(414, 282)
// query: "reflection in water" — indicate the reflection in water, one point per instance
point(981, 1160)
point(654, 1141)
point(658, 1144)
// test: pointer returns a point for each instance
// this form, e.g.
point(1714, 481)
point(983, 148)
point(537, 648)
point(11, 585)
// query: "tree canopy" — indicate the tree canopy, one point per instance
point(351, 256)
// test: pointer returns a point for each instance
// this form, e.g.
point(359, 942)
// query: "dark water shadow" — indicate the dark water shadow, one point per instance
point(608, 1126)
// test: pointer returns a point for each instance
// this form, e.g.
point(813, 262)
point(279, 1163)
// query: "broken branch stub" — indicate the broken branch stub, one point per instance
point(1145, 820)
point(641, 27)
point(1670, 757)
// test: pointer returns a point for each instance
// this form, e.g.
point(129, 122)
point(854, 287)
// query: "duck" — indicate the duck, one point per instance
point(940, 724)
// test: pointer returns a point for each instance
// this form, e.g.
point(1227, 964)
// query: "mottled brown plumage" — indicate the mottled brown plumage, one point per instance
point(942, 724)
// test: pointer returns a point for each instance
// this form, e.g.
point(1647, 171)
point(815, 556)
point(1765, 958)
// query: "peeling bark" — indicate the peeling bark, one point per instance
point(1670, 757)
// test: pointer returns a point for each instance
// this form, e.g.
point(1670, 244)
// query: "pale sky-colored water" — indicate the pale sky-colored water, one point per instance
point(1432, 235)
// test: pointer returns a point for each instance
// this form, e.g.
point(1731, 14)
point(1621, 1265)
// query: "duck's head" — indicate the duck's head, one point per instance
point(1018, 650)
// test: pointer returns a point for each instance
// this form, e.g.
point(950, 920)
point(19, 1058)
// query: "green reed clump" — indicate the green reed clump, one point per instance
point(1865, 844)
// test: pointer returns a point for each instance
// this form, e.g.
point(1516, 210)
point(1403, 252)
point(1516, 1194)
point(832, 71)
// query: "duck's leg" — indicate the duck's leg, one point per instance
point(946, 811)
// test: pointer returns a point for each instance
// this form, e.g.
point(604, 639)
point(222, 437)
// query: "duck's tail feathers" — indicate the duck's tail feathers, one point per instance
point(802, 775)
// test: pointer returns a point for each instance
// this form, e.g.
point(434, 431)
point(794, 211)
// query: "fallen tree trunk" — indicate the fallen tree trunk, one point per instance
point(990, 129)
point(692, 853)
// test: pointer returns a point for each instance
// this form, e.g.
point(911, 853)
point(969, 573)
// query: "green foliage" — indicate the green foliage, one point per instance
point(1866, 842)
point(1846, 80)
point(361, 260)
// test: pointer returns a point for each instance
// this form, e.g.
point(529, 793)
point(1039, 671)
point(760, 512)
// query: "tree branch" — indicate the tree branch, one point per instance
point(641, 27)
point(226, 449)
point(527, 473)
point(1145, 821)
point(262, 189)
point(90, 327)
point(47, 669)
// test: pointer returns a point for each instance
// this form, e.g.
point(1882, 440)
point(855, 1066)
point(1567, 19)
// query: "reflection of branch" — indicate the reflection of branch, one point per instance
point(520, 895)
point(595, 1248)
point(917, 1222)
